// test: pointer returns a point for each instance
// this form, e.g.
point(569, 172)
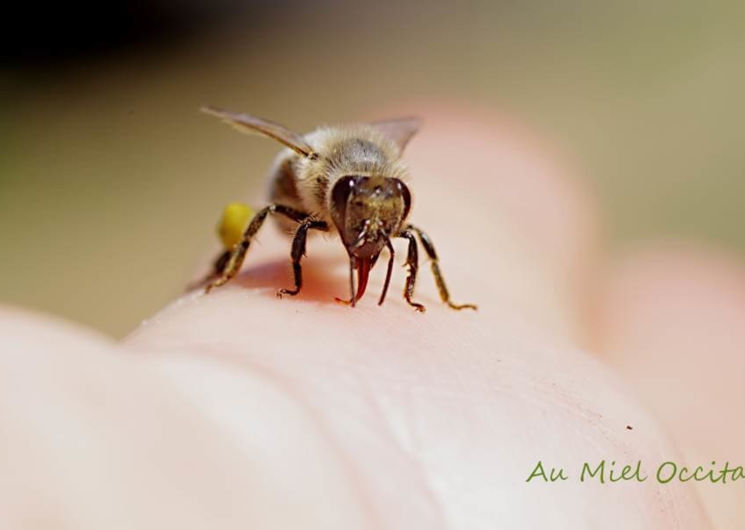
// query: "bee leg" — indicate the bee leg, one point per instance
point(412, 263)
point(217, 267)
point(434, 263)
point(238, 253)
point(220, 263)
point(298, 251)
point(389, 271)
point(352, 292)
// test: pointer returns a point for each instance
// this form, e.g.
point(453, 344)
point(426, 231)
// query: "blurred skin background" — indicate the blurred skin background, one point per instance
point(111, 182)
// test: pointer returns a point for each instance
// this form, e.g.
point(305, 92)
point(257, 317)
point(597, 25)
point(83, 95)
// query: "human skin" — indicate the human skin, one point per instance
point(672, 320)
point(241, 410)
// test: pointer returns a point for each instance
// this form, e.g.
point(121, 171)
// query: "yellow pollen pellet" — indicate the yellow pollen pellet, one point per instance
point(233, 222)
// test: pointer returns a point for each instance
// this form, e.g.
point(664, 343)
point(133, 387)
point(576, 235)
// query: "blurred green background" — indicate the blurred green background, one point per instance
point(111, 182)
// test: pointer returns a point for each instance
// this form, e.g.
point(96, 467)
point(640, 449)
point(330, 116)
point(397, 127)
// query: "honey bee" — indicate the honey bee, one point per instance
point(348, 180)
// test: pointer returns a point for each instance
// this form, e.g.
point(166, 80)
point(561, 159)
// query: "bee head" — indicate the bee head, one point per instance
point(368, 211)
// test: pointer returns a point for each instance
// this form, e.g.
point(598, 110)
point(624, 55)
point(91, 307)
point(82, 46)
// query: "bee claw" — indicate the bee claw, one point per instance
point(343, 302)
point(463, 306)
point(217, 283)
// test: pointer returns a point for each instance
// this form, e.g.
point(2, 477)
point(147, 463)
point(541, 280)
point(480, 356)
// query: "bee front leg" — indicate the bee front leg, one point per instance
point(352, 296)
point(232, 264)
point(439, 280)
point(412, 263)
point(298, 251)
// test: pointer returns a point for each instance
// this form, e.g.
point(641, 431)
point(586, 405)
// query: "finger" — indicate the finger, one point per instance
point(455, 419)
point(100, 437)
point(459, 406)
point(95, 436)
point(674, 324)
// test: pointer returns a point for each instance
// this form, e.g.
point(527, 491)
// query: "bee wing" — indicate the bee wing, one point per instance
point(251, 124)
point(400, 130)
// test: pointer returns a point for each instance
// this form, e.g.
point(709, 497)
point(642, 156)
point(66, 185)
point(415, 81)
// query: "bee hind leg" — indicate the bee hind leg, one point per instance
point(217, 267)
point(298, 251)
point(232, 264)
point(434, 264)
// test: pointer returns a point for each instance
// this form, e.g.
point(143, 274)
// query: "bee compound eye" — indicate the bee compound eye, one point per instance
point(405, 196)
point(340, 194)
